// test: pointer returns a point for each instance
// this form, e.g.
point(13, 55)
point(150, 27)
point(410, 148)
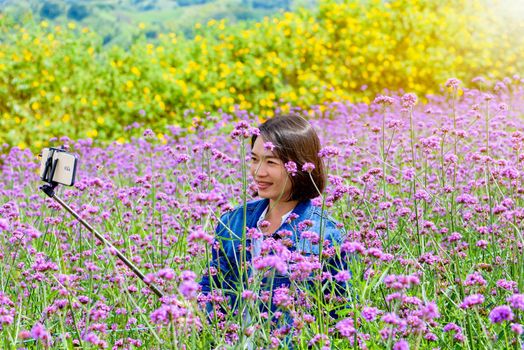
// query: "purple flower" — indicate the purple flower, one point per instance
point(308, 167)
point(384, 100)
point(249, 295)
point(370, 313)
point(475, 279)
point(282, 297)
point(452, 327)
point(408, 100)
point(4, 224)
point(472, 300)
point(91, 338)
point(516, 301)
point(352, 247)
point(500, 314)
point(401, 345)
point(269, 146)
point(149, 134)
point(342, 276)
point(482, 244)
point(291, 168)
point(408, 174)
point(39, 332)
point(242, 129)
point(271, 261)
point(401, 281)
point(453, 83)
point(188, 275)
point(189, 289)
point(429, 311)
point(328, 152)
point(517, 328)
point(346, 328)
point(167, 274)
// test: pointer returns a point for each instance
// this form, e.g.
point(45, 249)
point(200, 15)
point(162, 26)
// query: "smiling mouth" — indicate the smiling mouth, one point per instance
point(263, 185)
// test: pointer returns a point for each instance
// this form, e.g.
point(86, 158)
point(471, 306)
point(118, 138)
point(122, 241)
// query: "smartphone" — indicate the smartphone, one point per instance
point(58, 166)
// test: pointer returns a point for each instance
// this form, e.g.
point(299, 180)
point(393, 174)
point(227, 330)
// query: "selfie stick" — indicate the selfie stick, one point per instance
point(49, 189)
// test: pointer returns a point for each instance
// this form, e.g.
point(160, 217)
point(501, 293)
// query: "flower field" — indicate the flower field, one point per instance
point(430, 197)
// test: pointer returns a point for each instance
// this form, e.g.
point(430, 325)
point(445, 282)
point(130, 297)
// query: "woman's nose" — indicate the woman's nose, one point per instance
point(260, 169)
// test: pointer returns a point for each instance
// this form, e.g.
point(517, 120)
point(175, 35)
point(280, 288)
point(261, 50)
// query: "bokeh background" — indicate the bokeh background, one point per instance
point(90, 69)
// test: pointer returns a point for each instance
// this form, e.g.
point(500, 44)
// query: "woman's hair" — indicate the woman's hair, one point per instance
point(294, 139)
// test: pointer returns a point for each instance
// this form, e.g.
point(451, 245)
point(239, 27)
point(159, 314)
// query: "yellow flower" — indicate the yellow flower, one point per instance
point(100, 120)
point(71, 25)
point(57, 98)
point(141, 25)
point(135, 71)
point(44, 24)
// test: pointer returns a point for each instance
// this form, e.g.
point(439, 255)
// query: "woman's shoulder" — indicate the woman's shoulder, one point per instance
point(231, 222)
point(254, 209)
point(251, 206)
point(321, 219)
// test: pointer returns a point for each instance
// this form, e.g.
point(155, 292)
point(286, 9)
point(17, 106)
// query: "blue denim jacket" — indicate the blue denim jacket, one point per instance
point(229, 235)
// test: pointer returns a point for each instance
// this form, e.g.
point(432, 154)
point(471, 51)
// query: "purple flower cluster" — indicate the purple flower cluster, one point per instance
point(428, 200)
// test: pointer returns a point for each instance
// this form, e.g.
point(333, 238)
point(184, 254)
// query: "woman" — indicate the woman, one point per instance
point(288, 173)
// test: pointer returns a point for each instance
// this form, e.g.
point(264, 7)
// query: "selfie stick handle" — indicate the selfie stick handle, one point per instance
point(49, 190)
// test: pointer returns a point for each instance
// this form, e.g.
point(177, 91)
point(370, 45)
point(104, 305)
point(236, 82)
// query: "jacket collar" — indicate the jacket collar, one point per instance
point(302, 210)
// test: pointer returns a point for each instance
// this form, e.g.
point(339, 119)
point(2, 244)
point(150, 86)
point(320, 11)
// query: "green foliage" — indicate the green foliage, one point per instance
point(164, 15)
point(60, 80)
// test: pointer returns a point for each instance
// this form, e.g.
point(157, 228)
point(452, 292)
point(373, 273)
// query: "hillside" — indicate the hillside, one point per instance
point(118, 21)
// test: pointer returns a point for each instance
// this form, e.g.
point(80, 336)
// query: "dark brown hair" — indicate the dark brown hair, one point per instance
point(295, 140)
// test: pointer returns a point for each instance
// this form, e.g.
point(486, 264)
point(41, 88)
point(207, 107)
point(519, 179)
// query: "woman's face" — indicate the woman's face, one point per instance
point(268, 171)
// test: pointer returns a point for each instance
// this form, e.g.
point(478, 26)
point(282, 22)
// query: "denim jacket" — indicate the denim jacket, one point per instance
point(229, 236)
